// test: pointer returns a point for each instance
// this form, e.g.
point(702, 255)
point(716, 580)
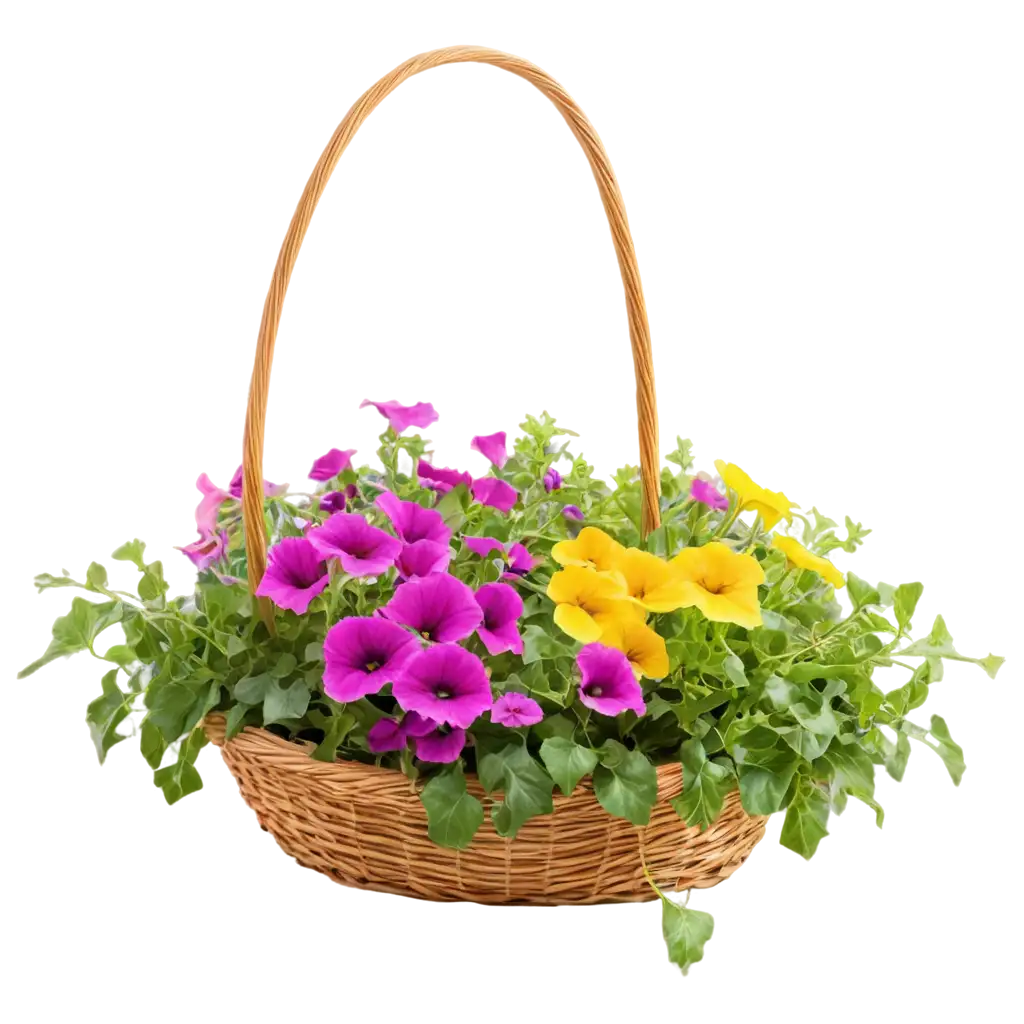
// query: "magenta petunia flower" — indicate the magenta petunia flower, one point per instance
point(421, 558)
point(384, 735)
point(207, 550)
point(331, 464)
point(495, 493)
point(362, 655)
point(362, 549)
point(501, 606)
point(438, 607)
point(552, 480)
point(337, 501)
point(209, 505)
point(442, 745)
point(440, 478)
point(399, 416)
point(516, 709)
point(413, 522)
point(607, 683)
point(704, 491)
point(491, 447)
point(269, 490)
point(572, 512)
point(518, 562)
point(445, 683)
point(483, 546)
point(296, 573)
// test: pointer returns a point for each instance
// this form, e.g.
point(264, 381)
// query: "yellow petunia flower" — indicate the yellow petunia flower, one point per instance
point(590, 602)
point(651, 581)
point(796, 554)
point(644, 648)
point(721, 583)
point(770, 505)
point(592, 549)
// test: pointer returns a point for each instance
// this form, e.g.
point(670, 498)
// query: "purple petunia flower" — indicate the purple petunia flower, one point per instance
point(607, 683)
point(399, 416)
point(491, 447)
point(445, 683)
point(295, 574)
point(483, 546)
point(269, 490)
point(413, 522)
point(207, 550)
point(421, 558)
point(438, 607)
point(515, 709)
point(331, 464)
point(501, 606)
point(440, 478)
point(362, 549)
point(552, 480)
point(704, 491)
point(442, 745)
point(209, 505)
point(337, 501)
point(362, 655)
point(518, 562)
point(572, 512)
point(495, 493)
point(390, 734)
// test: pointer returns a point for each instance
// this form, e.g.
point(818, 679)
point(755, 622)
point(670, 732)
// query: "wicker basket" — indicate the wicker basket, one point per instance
point(365, 826)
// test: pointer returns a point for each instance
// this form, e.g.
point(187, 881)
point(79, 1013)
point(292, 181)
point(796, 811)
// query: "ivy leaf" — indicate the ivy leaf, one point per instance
point(105, 713)
point(121, 654)
point(77, 630)
point(705, 784)
point(567, 761)
point(896, 758)
point(181, 778)
point(685, 931)
point(96, 577)
point(525, 784)
point(44, 581)
point(253, 689)
point(952, 755)
point(169, 704)
point(284, 666)
point(132, 551)
point(338, 727)
point(904, 602)
point(280, 704)
point(625, 783)
point(234, 721)
point(453, 814)
point(939, 644)
point(152, 744)
point(733, 667)
point(806, 818)
point(861, 593)
point(764, 777)
point(540, 645)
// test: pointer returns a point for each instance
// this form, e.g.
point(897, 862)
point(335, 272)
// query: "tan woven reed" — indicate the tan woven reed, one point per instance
point(365, 826)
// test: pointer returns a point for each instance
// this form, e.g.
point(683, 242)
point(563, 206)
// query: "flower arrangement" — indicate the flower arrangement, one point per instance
point(517, 627)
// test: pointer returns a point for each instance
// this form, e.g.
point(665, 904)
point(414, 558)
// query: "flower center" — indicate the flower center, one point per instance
point(712, 588)
point(596, 690)
point(443, 691)
point(372, 666)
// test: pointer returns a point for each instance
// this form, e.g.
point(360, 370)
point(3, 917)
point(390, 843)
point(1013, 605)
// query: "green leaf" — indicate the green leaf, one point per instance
point(861, 593)
point(77, 630)
point(234, 720)
point(764, 777)
point(896, 759)
point(939, 644)
point(152, 744)
point(284, 666)
point(705, 785)
point(105, 713)
point(152, 586)
point(539, 644)
point(253, 689)
point(169, 704)
point(453, 814)
point(625, 783)
point(339, 726)
point(525, 784)
point(806, 818)
point(181, 778)
point(904, 602)
point(686, 932)
point(96, 577)
point(733, 667)
point(121, 654)
point(280, 704)
point(131, 551)
point(44, 581)
point(952, 755)
point(567, 761)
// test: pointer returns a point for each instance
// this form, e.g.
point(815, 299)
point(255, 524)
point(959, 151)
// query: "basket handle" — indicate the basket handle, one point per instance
point(639, 332)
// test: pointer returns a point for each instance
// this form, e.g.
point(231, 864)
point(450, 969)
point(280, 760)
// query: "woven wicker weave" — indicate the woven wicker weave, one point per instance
point(365, 826)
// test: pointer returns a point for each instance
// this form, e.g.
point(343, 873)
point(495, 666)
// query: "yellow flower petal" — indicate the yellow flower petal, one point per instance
point(580, 625)
point(721, 583)
point(770, 505)
point(796, 554)
point(592, 549)
point(651, 581)
point(576, 585)
point(644, 648)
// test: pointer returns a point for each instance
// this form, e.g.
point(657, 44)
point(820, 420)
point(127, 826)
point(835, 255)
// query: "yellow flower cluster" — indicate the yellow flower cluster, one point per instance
point(605, 591)
point(770, 505)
